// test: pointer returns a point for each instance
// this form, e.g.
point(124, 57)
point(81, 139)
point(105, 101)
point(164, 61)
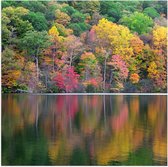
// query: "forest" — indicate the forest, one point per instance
point(84, 46)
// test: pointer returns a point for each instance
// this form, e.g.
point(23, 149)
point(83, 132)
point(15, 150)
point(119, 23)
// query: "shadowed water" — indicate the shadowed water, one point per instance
point(84, 130)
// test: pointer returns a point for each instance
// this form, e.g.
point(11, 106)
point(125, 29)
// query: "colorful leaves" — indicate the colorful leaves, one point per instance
point(88, 63)
point(134, 78)
point(53, 31)
point(137, 44)
point(160, 36)
point(114, 37)
point(71, 79)
point(95, 82)
point(86, 39)
point(119, 66)
point(68, 81)
point(62, 18)
point(152, 70)
point(59, 80)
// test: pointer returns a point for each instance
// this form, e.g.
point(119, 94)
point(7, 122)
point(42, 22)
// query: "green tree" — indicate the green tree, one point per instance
point(138, 22)
point(112, 10)
point(88, 6)
point(78, 28)
point(6, 33)
point(68, 10)
point(13, 25)
point(34, 6)
point(77, 17)
point(34, 43)
point(151, 12)
point(38, 20)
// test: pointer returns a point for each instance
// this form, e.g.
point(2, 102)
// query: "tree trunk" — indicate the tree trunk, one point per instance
point(86, 74)
point(53, 63)
point(70, 61)
point(111, 76)
point(46, 80)
point(37, 70)
point(104, 82)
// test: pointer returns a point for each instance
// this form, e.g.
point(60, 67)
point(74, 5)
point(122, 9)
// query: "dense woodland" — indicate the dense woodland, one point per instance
point(89, 46)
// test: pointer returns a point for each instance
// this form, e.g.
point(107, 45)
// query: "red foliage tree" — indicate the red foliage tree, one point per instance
point(119, 67)
point(67, 81)
point(71, 79)
point(59, 79)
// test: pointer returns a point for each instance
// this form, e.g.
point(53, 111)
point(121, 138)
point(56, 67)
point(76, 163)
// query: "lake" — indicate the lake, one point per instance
point(84, 130)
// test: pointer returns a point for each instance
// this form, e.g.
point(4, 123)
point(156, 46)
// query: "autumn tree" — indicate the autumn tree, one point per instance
point(63, 31)
point(116, 37)
point(28, 76)
point(56, 43)
point(134, 78)
point(113, 39)
point(68, 80)
point(62, 18)
point(161, 21)
point(137, 44)
point(160, 37)
point(12, 63)
point(119, 69)
point(73, 48)
point(90, 70)
point(160, 48)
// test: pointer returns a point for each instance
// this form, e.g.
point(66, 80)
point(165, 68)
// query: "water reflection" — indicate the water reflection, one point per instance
point(83, 130)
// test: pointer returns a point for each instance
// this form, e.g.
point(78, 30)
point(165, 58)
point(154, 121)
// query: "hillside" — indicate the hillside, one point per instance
point(89, 46)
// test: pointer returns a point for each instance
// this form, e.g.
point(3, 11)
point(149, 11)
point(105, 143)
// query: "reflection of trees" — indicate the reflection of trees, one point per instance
point(127, 132)
point(157, 119)
point(102, 130)
point(90, 117)
point(84, 119)
point(18, 111)
point(120, 140)
point(119, 120)
point(24, 148)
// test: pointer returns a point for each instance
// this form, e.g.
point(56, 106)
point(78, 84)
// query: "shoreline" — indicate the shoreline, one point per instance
point(86, 94)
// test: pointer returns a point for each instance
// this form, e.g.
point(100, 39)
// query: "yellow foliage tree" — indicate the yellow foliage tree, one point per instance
point(53, 31)
point(160, 37)
point(152, 70)
point(137, 44)
point(115, 37)
point(57, 42)
point(62, 18)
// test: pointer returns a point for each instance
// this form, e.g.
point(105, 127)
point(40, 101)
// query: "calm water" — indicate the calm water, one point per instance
point(84, 130)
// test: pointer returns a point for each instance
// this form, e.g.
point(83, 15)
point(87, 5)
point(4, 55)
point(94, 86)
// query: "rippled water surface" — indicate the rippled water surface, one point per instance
point(83, 130)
